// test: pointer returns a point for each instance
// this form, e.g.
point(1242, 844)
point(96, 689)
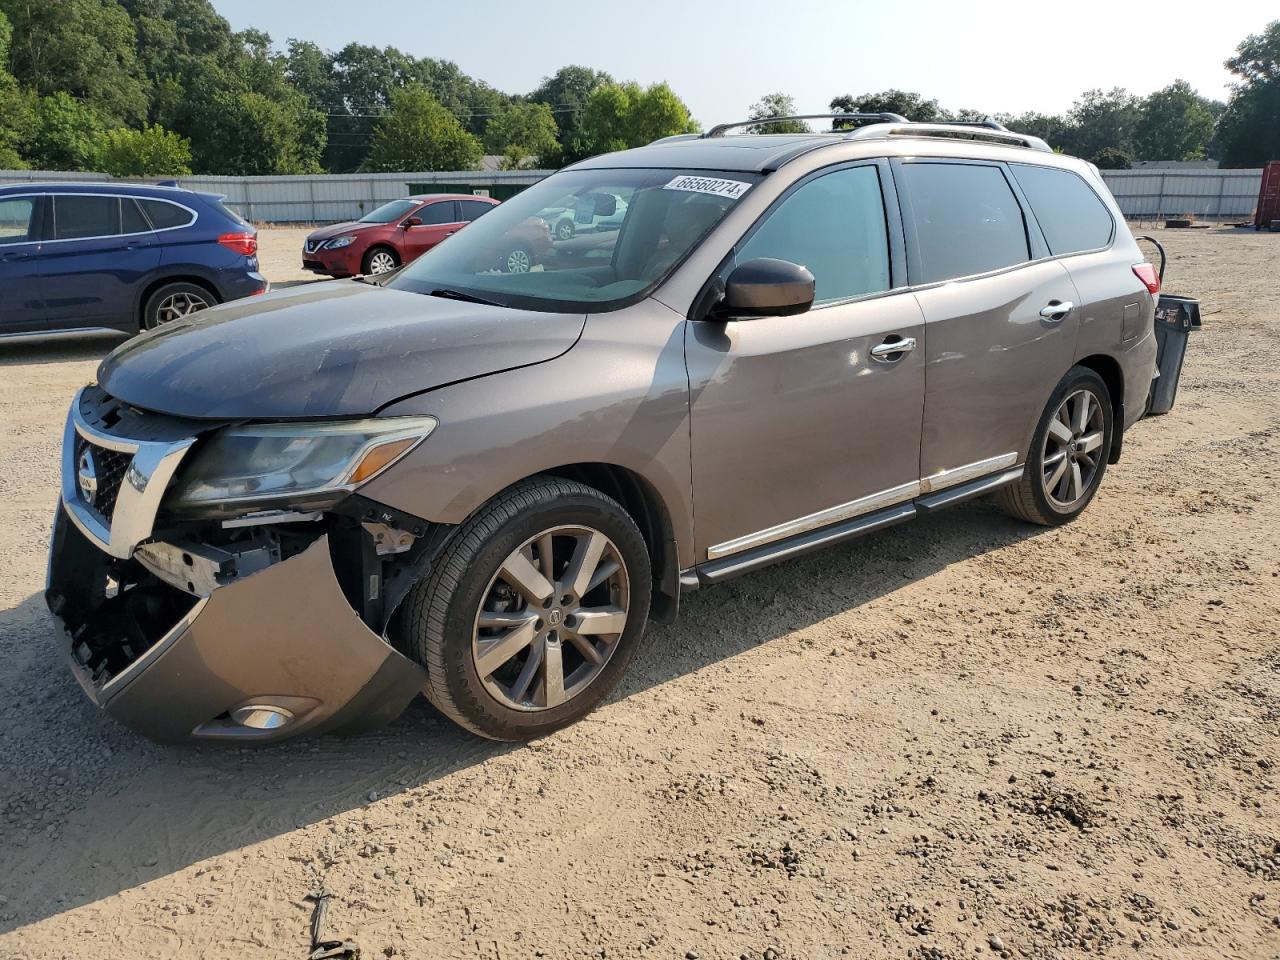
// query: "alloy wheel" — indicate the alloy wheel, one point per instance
point(564, 230)
point(551, 618)
point(381, 262)
point(519, 261)
point(178, 305)
point(1073, 449)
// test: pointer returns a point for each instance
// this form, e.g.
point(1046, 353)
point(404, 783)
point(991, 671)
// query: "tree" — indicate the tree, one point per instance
point(523, 130)
point(64, 134)
point(1050, 128)
point(249, 134)
point(1112, 158)
point(151, 152)
point(619, 116)
point(1099, 120)
point(1249, 130)
point(1175, 123)
point(419, 133)
point(83, 48)
point(913, 106)
point(566, 93)
point(17, 109)
point(776, 105)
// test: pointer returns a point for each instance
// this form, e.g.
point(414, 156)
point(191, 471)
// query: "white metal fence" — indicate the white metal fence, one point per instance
point(1142, 194)
point(1206, 194)
point(311, 199)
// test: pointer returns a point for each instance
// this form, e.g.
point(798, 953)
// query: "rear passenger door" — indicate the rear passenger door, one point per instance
point(1000, 320)
point(98, 251)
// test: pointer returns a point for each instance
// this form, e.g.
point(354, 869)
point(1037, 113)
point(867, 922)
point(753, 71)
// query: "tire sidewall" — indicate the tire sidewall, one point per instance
point(150, 321)
point(463, 681)
point(506, 260)
point(367, 263)
point(1076, 379)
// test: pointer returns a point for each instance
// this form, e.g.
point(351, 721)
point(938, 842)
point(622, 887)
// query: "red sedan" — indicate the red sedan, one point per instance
point(390, 236)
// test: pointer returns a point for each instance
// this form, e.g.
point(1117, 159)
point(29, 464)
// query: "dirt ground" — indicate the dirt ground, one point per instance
point(961, 737)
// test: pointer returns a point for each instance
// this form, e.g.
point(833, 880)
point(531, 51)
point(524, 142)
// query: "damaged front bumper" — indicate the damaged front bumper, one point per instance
point(253, 639)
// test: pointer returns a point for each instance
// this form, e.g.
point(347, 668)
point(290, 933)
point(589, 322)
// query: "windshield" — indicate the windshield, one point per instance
point(389, 211)
point(580, 240)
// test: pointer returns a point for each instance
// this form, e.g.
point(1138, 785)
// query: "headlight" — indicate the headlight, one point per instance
point(305, 465)
point(339, 242)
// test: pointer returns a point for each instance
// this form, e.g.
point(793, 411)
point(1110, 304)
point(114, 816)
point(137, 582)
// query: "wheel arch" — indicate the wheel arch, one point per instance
point(645, 505)
point(156, 283)
point(1112, 374)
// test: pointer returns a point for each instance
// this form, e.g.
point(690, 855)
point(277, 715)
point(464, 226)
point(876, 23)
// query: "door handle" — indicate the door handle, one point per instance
point(1057, 310)
point(893, 350)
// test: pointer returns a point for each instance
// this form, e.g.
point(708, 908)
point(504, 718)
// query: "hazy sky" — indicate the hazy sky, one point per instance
point(720, 56)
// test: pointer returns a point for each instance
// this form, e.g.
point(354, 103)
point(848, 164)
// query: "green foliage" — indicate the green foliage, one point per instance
point(566, 93)
point(905, 103)
point(249, 134)
point(150, 152)
point(524, 130)
point(1112, 158)
point(64, 133)
point(1102, 119)
point(1175, 123)
point(1249, 131)
point(776, 105)
point(83, 48)
point(620, 116)
point(419, 133)
point(1048, 127)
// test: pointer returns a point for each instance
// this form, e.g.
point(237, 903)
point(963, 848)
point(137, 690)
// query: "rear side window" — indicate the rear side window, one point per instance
point(966, 220)
point(131, 219)
point(439, 212)
point(15, 219)
point(165, 215)
point(471, 209)
point(835, 226)
point(1071, 215)
point(78, 217)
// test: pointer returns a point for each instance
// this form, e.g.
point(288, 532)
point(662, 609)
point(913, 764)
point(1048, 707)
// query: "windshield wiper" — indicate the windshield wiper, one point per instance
point(448, 294)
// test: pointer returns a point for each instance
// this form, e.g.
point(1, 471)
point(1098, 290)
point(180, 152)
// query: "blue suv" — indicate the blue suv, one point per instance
point(78, 257)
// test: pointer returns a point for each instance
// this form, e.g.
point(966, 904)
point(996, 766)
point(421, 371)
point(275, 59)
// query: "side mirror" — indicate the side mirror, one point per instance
point(765, 287)
point(412, 222)
point(605, 204)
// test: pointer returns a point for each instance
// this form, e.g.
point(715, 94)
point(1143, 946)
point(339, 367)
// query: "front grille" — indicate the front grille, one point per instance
point(109, 466)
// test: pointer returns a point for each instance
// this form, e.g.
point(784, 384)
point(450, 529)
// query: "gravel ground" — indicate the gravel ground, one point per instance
point(961, 737)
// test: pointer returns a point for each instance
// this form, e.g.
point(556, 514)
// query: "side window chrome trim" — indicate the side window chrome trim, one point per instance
point(120, 196)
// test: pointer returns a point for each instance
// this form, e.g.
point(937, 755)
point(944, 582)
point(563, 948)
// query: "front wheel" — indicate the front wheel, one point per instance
point(1068, 455)
point(517, 260)
point(565, 229)
point(533, 610)
point(380, 260)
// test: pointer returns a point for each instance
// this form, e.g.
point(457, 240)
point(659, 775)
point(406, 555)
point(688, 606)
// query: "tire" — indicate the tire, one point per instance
point(565, 230)
point(517, 260)
point(173, 301)
point(476, 669)
point(379, 260)
point(1036, 498)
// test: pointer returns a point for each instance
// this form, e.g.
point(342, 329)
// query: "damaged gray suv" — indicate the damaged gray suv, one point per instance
point(480, 483)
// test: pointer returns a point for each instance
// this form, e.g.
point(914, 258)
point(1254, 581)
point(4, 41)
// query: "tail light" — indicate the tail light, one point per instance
point(245, 243)
point(1147, 274)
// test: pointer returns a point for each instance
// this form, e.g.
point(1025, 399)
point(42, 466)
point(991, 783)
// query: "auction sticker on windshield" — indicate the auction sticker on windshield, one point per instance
point(732, 189)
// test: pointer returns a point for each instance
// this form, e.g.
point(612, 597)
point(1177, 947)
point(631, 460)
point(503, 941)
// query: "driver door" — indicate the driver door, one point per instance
point(796, 423)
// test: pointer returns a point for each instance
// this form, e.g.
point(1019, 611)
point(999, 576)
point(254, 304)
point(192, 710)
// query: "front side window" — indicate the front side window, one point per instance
point(79, 217)
point(434, 214)
point(15, 219)
point(517, 254)
point(1071, 215)
point(966, 220)
point(835, 226)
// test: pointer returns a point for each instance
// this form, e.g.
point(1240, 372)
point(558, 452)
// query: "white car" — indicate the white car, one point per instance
point(587, 213)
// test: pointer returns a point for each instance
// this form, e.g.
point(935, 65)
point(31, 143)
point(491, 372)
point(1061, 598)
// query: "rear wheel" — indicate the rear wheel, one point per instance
point(533, 611)
point(173, 301)
point(1068, 455)
point(380, 260)
point(517, 260)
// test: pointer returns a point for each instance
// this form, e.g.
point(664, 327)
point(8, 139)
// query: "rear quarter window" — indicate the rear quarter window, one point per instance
point(1072, 217)
point(965, 218)
point(165, 215)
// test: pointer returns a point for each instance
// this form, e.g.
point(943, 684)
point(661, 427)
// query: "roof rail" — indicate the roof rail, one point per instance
point(720, 128)
point(962, 131)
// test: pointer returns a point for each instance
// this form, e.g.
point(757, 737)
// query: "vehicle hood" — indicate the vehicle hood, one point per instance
point(338, 229)
point(333, 349)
